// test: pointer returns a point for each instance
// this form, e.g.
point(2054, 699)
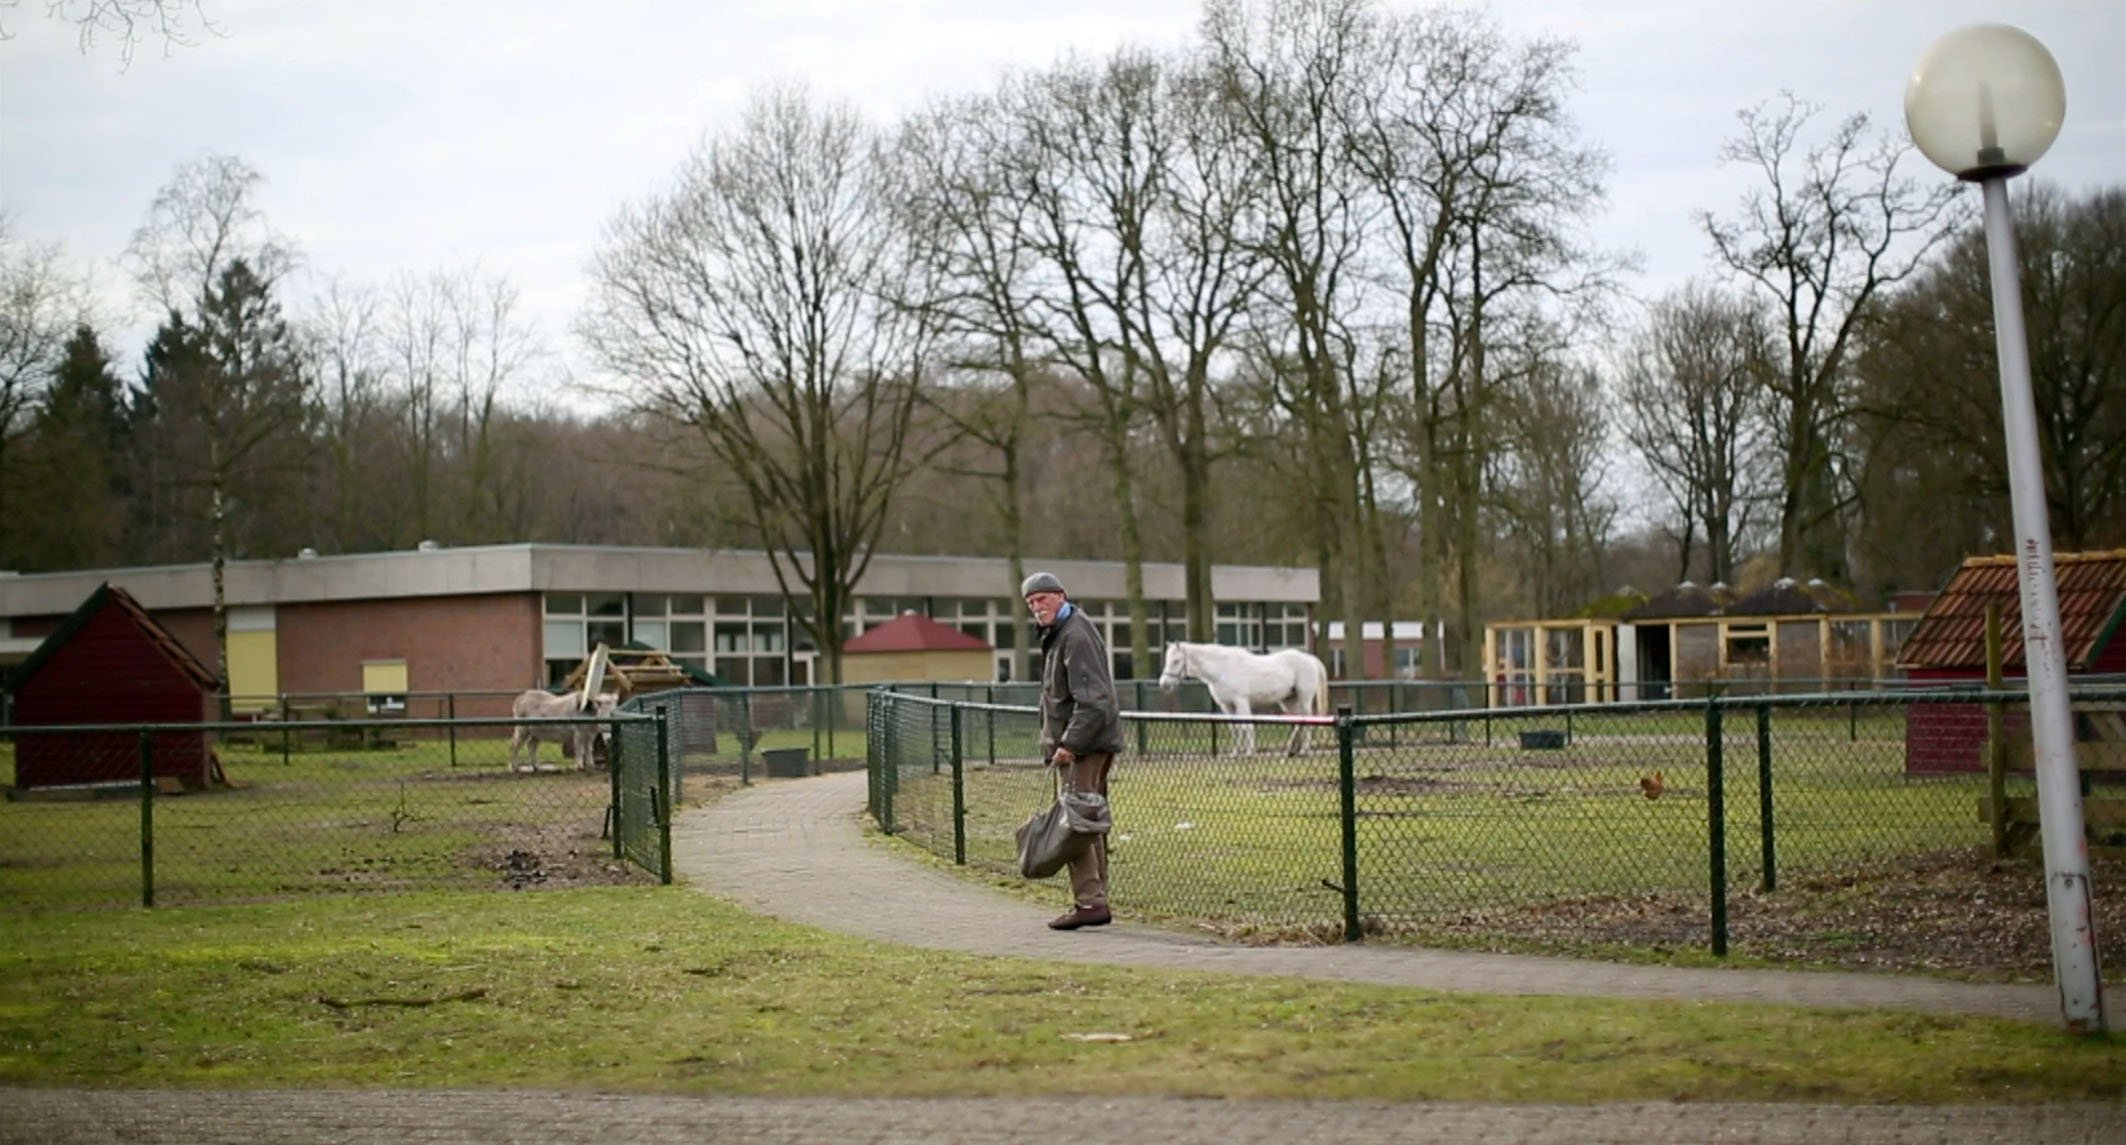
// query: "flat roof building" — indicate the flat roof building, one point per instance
point(504, 617)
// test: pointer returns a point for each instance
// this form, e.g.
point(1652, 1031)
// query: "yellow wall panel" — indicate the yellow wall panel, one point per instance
point(384, 677)
point(254, 670)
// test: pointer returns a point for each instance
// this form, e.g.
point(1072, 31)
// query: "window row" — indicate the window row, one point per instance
point(752, 641)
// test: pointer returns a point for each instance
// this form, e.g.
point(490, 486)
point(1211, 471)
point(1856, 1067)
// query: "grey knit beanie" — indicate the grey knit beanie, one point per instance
point(1040, 582)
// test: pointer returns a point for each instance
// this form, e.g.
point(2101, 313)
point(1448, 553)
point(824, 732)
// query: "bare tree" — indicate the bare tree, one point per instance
point(1831, 225)
point(205, 218)
point(344, 334)
point(1198, 281)
point(970, 229)
point(41, 305)
point(231, 398)
point(1088, 173)
point(754, 303)
point(415, 337)
point(1138, 183)
point(1930, 390)
point(1463, 134)
point(488, 349)
point(127, 21)
point(1286, 71)
point(1554, 464)
point(1697, 409)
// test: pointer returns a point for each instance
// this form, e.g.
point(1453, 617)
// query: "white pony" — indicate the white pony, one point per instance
point(583, 736)
point(1292, 681)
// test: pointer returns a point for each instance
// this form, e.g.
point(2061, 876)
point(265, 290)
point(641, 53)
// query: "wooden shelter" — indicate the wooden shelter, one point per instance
point(912, 646)
point(111, 663)
point(1949, 645)
point(1789, 636)
point(636, 670)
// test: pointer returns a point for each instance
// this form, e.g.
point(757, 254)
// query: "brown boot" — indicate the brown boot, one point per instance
point(1081, 916)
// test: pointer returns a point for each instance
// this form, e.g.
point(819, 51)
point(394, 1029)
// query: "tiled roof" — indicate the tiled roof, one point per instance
point(1952, 633)
point(914, 632)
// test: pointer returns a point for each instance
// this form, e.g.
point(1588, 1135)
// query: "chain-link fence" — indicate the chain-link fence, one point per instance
point(1521, 823)
point(722, 737)
point(229, 812)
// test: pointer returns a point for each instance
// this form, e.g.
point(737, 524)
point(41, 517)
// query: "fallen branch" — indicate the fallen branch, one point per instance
point(351, 1003)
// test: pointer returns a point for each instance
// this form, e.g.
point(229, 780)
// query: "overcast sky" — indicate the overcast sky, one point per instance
point(422, 134)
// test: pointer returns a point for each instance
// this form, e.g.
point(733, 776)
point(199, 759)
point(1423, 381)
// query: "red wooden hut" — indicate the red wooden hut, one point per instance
point(110, 663)
point(1949, 645)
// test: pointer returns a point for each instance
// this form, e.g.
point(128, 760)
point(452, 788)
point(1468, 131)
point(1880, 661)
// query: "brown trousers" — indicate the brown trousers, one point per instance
point(1088, 872)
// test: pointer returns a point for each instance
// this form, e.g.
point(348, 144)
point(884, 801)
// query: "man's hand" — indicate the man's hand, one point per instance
point(1063, 757)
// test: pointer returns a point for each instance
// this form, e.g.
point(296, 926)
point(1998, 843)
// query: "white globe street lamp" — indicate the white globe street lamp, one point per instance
point(1983, 104)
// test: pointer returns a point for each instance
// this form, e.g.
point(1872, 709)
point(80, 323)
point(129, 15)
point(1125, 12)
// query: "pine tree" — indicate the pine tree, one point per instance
point(74, 511)
point(223, 415)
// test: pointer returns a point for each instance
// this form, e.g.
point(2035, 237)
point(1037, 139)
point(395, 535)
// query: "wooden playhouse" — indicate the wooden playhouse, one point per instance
point(110, 663)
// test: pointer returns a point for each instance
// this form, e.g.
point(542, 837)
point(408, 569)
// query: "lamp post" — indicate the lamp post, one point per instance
point(1984, 103)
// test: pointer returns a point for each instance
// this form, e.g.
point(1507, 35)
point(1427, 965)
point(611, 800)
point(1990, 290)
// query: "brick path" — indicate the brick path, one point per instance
point(481, 1117)
point(795, 849)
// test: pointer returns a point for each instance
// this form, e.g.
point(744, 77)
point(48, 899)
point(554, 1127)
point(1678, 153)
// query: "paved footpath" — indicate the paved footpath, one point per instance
point(795, 849)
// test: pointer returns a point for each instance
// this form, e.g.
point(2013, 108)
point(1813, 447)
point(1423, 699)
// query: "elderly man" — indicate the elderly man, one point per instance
point(1081, 727)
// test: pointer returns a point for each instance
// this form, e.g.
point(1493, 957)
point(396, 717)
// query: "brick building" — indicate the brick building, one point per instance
point(505, 617)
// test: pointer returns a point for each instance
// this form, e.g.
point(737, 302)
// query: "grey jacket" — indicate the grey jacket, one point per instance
point(1078, 706)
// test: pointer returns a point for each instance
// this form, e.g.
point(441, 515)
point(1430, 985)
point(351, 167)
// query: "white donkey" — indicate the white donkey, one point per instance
point(1292, 681)
point(583, 736)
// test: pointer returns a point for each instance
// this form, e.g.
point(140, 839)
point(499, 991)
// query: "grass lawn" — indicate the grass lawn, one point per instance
point(669, 990)
point(423, 813)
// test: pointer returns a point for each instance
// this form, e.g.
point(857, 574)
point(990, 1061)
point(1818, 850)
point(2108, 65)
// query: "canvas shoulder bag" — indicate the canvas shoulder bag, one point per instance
point(1054, 835)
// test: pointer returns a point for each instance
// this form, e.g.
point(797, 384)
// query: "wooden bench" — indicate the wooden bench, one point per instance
point(2099, 753)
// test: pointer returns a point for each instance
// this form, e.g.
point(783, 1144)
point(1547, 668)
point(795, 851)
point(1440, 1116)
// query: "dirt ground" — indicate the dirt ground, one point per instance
point(1958, 914)
point(556, 857)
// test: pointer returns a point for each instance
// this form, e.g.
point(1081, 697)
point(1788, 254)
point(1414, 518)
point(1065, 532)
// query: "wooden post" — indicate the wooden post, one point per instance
point(1996, 735)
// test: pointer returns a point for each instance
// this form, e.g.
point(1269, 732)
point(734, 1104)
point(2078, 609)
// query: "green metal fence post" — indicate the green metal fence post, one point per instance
point(450, 704)
point(889, 776)
point(147, 819)
point(612, 807)
point(959, 795)
point(871, 746)
point(1347, 788)
point(1764, 797)
point(1716, 822)
point(663, 804)
point(284, 729)
point(745, 739)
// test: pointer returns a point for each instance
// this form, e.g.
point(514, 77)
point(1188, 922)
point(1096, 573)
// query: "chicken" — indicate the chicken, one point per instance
point(1651, 786)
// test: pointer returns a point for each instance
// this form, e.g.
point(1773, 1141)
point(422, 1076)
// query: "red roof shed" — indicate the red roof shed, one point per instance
point(912, 646)
point(1949, 645)
point(110, 663)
